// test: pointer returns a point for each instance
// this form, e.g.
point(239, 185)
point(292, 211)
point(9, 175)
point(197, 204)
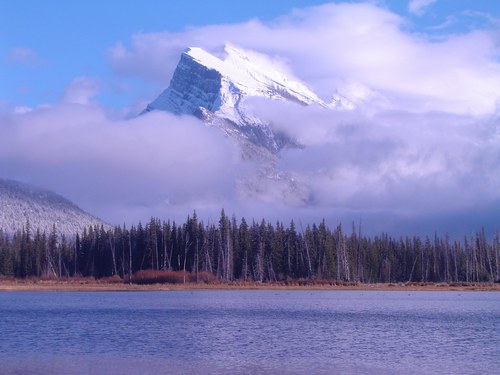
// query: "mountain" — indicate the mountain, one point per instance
point(20, 202)
point(216, 90)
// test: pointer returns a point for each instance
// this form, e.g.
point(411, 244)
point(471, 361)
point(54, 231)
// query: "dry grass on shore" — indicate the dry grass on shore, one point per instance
point(173, 281)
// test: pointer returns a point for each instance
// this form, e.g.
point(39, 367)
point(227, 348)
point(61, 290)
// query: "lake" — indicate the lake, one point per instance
point(250, 332)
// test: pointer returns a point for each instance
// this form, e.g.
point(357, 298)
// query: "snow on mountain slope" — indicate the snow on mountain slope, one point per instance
point(216, 90)
point(252, 75)
point(239, 75)
point(21, 202)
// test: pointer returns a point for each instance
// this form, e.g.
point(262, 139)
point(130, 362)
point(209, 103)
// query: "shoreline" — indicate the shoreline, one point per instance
point(79, 285)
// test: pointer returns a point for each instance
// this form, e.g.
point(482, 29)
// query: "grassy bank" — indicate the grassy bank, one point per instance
point(116, 284)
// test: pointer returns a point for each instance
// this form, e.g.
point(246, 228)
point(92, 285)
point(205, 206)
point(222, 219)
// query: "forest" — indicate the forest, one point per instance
point(232, 250)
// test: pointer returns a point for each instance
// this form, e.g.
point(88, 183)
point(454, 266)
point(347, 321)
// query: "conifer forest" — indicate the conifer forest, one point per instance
point(232, 250)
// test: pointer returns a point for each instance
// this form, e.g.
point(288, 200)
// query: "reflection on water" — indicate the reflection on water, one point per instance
point(247, 332)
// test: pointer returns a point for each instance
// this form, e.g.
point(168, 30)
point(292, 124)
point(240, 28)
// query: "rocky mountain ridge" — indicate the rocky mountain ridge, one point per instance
point(216, 90)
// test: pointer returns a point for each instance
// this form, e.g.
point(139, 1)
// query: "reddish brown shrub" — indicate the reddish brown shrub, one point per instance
point(115, 279)
point(160, 277)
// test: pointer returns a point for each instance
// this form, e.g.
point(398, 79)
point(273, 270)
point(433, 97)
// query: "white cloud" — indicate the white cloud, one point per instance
point(332, 44)
point(22, 109)
point(81, 90)
point(394, 160)
point(419, 7)
point(156, 163)
point(25, 56)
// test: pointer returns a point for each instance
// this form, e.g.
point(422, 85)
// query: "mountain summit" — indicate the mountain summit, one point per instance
point(216, 91)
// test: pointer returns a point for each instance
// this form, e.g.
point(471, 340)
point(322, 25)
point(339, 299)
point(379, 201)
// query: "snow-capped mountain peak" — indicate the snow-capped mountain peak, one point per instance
point(254, 74)
point(216, 88)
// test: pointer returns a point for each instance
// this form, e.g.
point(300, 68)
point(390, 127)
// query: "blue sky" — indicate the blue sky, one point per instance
point(46, 44)
point(420, 152)
point(69, 39)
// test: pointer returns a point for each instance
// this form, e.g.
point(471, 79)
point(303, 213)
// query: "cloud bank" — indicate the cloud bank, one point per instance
point(335, 45)
point(120, 170)
point(419, 152)
point(419, 7)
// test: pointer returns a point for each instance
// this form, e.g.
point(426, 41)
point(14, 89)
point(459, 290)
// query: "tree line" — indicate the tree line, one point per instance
point(257, 251)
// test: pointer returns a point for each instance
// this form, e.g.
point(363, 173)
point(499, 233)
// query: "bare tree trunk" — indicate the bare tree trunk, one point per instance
point(489, 262)
point(187, 243)
point(346, 262)
point(446, 260)
point(229, 257)
point(59, 261)
point(260, 266)
point(170, 257)
point(422, 277)
point(272, 275)
point(467, 264)
point(359, 265)
point(123, 259)
point(455, 250)
point(338, 258)
point(75, 261)
point(208, 261)
point(221, 262)
point(112, 248)
point(129, 258)
point(289, 262)
point(164, 266)
point(476, 267)
point(496, 247)
point(309, 265)
point(413, 268)
point(196, 260)
point(245, 266)
point(156, 247)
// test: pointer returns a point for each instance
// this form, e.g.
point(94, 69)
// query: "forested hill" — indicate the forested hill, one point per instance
point(258, 251)
point(21, 203)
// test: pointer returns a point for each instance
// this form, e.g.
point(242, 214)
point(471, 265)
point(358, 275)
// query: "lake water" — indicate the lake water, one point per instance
point(250, 332)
